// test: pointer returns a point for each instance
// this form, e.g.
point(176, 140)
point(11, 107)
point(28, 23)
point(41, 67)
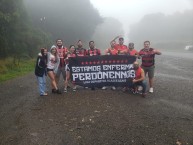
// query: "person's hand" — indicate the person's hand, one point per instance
point(154, 51)
point(134, 80)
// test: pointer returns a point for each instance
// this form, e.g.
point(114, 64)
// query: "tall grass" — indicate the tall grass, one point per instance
point(9, 70)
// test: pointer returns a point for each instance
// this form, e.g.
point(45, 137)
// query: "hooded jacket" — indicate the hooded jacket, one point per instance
point(53, 61)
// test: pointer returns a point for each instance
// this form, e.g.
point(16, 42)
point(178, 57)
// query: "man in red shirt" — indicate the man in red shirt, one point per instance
point(148, 62)
point(121, 48)
point(132, 51)
point(139, 79)
point(62, 52)
point(80, 51)
point(111, 51)
point(93, 51)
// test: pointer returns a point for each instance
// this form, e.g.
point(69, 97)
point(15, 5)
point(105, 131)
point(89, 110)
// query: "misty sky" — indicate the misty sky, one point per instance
point(131, 11)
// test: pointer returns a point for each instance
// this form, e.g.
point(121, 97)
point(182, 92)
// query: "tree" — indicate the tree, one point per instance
point(173, 31)
point(69, 20)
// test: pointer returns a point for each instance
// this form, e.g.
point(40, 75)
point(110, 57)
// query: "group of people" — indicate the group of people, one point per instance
point(55, 62)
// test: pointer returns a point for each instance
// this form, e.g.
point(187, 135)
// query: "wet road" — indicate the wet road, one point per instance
point(102, 117)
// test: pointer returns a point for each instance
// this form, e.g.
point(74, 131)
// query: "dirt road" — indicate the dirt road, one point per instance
point(102, 117)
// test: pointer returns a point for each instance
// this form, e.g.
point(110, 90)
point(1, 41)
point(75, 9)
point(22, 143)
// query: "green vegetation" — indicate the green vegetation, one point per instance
point(9, 69)
point(26, 26)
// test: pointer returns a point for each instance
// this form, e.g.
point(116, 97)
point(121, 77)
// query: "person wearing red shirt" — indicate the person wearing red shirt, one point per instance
point(92, 51)
point(132, 51)
point(121, 48)
point(110, 51)
point(148, 62)
point(70, 54)
point(80, 51)
point(62, 52)
point(139, 79)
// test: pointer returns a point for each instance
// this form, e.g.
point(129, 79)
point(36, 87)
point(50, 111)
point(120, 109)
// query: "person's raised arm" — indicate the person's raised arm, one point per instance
point(115, 38)
point(157, 52)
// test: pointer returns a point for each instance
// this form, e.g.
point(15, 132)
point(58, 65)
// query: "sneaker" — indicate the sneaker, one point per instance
point(65, 90)
point(134, 91)
point(113, 88)
point(140, 88)
point(45, 94)
point(74, 89)
point(151, 90)
point(104, 88)
point(54, 91)
point(58, 91)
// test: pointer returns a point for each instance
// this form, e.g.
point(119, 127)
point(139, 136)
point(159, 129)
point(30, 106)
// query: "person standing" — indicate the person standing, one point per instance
point(80, 51)
point(62, 53)
point(111, 51)
point(132, 51)
point(148, 62)
point(93, 51)
point(52, 68)
point(71, 54)
point(120, 47)
point(40, 71)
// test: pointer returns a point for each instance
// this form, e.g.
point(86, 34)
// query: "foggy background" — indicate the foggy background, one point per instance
point(167, 24)
point(27, 25)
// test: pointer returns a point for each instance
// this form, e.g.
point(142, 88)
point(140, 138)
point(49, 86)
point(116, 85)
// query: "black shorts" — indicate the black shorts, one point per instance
point(48, 69)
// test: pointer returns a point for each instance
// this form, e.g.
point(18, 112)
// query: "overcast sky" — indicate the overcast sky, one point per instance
point(131, 11)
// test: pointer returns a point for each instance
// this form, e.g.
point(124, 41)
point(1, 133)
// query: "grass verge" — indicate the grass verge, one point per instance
point(9, 70)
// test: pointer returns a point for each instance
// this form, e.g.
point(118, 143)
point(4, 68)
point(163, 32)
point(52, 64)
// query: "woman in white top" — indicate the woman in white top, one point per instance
point(52, 66)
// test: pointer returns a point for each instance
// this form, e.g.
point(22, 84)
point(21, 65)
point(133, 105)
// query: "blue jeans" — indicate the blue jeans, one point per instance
point(141, 83)
point(42, 84)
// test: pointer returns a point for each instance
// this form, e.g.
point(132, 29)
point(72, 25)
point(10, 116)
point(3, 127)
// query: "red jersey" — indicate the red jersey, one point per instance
point(133, 52)
point(92, 52)
point(70, 55)
point(148, 57)
point(138, 73)
point(111, 51)
point(80, 52)
point(121, 47)
point(62, 55)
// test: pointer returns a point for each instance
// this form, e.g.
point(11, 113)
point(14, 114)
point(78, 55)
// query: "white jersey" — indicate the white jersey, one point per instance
point(51, 61)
